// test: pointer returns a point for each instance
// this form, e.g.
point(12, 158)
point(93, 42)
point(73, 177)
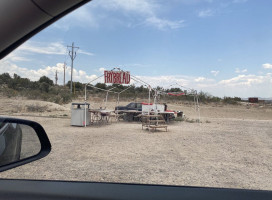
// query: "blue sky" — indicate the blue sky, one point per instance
point(223, 47)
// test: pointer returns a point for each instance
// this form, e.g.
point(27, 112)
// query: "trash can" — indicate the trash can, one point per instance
point(78, 114)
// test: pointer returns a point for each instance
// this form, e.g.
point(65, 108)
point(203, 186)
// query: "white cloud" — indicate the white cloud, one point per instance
point(198, 83)
point(267, 66)
point(241, 80)
point(82, 17)
point(166, 81)
point(55, 48)
point(49, 71)
point(135, 13)
point(15, 56)
point(241, 85)
point(101, 69)
point(200, 79)
point(31, 47)
point(215, 73)
point(246, 85)
point(148, 10)
point(205, 13)
point(85, 52)
point(238, 71)
point(163, 23)
point(146, 7)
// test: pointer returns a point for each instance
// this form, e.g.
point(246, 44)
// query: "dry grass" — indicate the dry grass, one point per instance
point(36, 108)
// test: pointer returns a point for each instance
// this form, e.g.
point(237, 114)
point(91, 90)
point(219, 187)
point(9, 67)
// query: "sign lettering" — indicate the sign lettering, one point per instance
point(117, 77)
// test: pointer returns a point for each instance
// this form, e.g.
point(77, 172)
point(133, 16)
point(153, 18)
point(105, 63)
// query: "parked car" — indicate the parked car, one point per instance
point(130, 106)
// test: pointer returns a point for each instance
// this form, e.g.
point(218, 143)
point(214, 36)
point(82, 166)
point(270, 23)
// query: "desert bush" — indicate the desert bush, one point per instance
point(190, 120)
point(8, 92)
point(66, 97)
point(36, 108)
point(230, 100)
point(179, 119)
point(55, 99)
point(44, 87)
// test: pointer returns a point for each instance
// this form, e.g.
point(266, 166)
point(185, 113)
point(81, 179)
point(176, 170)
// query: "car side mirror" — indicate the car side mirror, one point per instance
point(21, 142)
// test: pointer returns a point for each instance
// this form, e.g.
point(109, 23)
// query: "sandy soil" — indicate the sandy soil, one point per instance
point(233, 150)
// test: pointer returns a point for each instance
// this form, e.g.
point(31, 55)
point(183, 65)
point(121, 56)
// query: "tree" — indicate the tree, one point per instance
point(45, 79)
point(79, 86)
point(175, 90)
point(5, 78)
point(101, 85)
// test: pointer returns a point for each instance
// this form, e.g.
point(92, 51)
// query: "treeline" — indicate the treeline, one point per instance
point(44, 89)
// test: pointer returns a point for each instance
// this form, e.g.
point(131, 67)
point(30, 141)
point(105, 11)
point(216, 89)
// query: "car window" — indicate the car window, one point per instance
point(132, 105)
point(202, 70)
point(139, 105)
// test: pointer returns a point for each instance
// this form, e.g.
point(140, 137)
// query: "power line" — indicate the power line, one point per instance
point(72, 55)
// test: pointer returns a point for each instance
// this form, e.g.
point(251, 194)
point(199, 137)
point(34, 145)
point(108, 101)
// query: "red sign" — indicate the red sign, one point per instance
point(117, 77)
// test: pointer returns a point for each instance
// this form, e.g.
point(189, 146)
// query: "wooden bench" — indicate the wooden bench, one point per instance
point(154, 127)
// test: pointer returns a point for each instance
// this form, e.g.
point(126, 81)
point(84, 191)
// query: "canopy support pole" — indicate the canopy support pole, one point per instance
point(85, 112)
point(106, 99)
point(149, 89)
point(118, 98)
point(198, 108)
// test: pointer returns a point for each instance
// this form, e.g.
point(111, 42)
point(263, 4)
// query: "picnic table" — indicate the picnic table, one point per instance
point(131, 115)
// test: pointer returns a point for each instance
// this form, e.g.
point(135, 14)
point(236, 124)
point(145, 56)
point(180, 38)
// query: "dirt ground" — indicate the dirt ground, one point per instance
point(231, 148)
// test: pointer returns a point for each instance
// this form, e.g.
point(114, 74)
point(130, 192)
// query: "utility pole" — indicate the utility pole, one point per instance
point(56, 77)
point(64, 67)
point(72, 55)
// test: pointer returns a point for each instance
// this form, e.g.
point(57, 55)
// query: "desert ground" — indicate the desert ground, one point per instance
point(230, 148)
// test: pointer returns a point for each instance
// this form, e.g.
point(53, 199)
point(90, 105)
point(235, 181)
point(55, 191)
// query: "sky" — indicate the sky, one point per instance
point(223, 47)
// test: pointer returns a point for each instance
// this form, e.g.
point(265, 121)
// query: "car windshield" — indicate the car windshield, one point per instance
point(201, 71)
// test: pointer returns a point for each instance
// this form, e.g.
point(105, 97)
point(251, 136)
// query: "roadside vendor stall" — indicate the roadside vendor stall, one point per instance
point(116, 77)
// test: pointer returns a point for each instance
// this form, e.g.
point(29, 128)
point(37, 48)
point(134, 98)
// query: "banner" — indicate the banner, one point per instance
point(176, 94)
point(117, 77)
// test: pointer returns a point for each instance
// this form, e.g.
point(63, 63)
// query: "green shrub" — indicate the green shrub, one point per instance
point(190, 120)
point(179, 119)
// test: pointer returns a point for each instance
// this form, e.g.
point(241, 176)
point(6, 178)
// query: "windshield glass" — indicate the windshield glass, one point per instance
point(200, 72)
